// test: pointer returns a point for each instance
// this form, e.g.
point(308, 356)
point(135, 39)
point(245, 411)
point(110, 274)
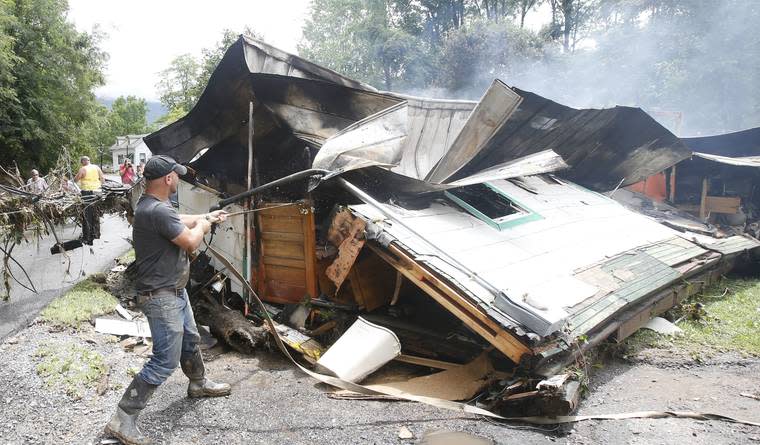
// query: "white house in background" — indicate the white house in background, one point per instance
point(132, 146)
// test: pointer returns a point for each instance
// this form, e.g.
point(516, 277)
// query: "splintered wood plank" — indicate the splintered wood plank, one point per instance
point(348, 251)
point(310, 252)
point(454, 302)
point(703, 199)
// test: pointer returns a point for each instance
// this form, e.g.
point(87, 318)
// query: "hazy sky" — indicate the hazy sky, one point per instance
point(144, 36)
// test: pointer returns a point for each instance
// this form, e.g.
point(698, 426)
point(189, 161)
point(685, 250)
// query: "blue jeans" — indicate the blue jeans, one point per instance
point(175, 336)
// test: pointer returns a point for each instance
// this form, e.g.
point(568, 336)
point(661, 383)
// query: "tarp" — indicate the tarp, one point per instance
point(738, 144)
point(746, 161)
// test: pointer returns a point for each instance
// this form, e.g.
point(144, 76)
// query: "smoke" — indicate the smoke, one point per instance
point(695, 69)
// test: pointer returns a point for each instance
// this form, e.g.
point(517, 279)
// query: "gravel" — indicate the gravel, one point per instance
point(274, 403)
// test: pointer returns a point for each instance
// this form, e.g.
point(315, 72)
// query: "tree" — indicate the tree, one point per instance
point(523, 7)
point(483, 51)
point(369, 40)
point(570, 18)
point(48, 72)
point(128, 116)
point(8, 61)
point(178, 85)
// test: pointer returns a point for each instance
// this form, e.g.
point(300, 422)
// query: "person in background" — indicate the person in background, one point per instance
point(90, 179)
point(140, 169)
point(36, 183)
point(69, 186)
point(127, 173)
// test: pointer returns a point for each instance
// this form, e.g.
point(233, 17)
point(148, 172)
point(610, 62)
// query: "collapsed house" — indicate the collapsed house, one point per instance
point(465, 229)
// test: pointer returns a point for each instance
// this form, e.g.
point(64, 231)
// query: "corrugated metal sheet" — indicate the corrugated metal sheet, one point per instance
point(409, 138)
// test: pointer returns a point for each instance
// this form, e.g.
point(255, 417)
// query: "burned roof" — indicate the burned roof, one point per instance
point(603, 148)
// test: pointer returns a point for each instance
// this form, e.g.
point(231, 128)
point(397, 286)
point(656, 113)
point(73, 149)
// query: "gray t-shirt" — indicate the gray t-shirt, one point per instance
point(160, 263)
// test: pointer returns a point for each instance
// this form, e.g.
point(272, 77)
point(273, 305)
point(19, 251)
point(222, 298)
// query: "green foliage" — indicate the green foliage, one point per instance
point(72, 368)
point(178, 84)
point(367, 40)
point(733, 319)
point(128, 116)
point(713, 321)
point(482, 48)
point(127, 257)
point(83, 302)
point(48, 72)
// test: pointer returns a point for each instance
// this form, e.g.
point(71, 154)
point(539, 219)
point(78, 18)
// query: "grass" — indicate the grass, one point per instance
point(83, 302)
point(71, 368)
point(127, 257)
point(724, 318)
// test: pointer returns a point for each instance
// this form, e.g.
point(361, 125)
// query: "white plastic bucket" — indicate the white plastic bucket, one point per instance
point(360, 351)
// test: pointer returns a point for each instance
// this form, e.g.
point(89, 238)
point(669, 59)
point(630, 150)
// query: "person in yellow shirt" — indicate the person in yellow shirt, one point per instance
point(90, 179)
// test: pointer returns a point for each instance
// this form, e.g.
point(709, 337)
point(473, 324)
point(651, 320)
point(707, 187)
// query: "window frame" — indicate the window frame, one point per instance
point(524, 213)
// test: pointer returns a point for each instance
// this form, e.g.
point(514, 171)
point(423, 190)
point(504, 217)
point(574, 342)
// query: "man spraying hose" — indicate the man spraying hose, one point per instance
point(162, 239)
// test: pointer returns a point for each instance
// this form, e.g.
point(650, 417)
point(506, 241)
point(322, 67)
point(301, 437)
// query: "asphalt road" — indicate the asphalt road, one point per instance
point(53, 274)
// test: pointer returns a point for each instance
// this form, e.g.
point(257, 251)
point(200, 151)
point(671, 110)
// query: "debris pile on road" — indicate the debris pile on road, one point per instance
point(25, 216)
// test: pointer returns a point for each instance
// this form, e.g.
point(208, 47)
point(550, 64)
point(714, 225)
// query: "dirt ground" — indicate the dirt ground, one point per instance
point(274, 403)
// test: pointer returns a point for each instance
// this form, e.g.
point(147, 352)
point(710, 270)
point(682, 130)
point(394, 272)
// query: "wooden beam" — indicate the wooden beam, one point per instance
point(423, 361)
point(454, 302)
point(397, 289)
point(703, 200)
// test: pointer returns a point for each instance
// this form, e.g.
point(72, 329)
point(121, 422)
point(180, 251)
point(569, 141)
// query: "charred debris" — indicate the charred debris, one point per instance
point(459, 250)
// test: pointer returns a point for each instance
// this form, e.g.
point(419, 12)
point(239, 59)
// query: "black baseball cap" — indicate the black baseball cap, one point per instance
point(159, 166)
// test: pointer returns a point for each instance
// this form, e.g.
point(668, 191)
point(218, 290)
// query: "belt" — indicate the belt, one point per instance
point(151, 293)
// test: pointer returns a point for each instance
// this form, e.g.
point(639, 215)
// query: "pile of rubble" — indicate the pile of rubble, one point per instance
point(431, 250)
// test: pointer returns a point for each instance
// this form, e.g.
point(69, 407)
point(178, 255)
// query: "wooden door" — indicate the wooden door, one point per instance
point(287, 260)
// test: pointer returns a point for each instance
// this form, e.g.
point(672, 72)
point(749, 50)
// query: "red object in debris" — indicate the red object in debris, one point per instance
point(653, 187)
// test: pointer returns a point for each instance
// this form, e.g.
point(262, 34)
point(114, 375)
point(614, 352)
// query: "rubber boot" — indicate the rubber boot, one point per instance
point(123, 425)
point(200, 386)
